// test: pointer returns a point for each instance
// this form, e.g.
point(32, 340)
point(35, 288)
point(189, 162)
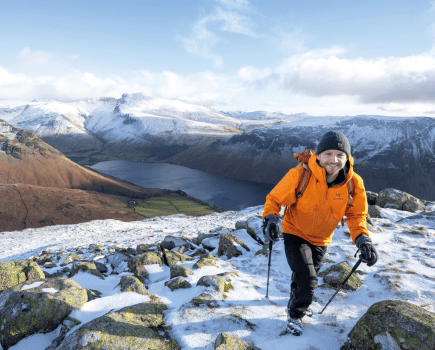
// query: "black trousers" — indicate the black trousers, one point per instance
point(305, 260)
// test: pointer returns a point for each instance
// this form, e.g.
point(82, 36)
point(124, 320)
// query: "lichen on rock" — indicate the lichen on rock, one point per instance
point(335, 275)
point(133, 284)
point(180, 271)
point(85, 266)
point(177, 283)
point(229, 245)
point(225, 341)
point(19, 271)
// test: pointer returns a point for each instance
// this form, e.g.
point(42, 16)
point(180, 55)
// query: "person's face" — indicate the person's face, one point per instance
point(332, 161)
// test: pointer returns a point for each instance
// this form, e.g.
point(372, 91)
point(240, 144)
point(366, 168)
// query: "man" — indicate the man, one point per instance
point(309, 221)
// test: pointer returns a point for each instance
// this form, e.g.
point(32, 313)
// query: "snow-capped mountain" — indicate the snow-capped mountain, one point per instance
point(388, 152)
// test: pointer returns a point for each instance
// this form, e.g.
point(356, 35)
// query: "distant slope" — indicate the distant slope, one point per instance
point(39, 186)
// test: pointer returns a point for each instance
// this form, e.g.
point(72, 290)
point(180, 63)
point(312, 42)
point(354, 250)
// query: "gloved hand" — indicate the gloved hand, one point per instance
point(369, 254)
point(271, 228)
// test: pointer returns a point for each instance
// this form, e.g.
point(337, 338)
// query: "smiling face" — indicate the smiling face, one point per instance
point(332, 161)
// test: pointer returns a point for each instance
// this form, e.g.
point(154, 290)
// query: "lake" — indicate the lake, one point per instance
point(226, 193)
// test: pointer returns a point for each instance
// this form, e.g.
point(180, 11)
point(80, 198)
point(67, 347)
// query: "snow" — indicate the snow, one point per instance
point(405, 271)
point(31, 286)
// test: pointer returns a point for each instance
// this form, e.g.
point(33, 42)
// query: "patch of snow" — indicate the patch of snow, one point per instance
point(31, 286)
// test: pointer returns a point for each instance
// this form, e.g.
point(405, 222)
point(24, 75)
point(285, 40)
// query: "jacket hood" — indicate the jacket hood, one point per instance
point(320, 173)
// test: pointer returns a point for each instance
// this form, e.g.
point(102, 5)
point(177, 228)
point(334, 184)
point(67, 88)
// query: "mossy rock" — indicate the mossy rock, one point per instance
point(206, 256)
point(140, 326)
point(133, 284)
point(177, 283)
point(204, 262)
point(226, 341)
point(205, 299)
point(16, 272)
point(93, 294)
point(85, 266)
point(180, 271)
point(336, 274)
point(174, 257)
point(137, 265)
point(215, 282)
point(393, 324)
point(40, 309)
point(71, 258)
point(229, 245)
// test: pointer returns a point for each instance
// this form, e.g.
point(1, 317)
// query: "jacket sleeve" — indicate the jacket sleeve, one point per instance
point(356, 215)
point(283, 194)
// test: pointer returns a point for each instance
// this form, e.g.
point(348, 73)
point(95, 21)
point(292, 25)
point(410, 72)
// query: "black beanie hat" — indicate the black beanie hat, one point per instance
point(334, 140)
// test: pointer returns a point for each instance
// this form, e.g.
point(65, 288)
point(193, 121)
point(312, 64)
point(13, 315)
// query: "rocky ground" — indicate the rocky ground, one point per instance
point(200, 283)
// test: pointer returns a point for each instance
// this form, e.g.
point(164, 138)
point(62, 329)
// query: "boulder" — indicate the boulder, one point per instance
point(16, 272)
point(177, 283)
point(241, 225)
point(140, 326)
point(71, 258)
point(85, 266)
point(137, 264)
point(101, 267)
point(67, 324)
point(254, 228)
point(393, 324)
point(170, 242)
point(37, 307)
point(229, 245)
point(395, 199)
point(218, 283)
point(205, 299)
point(172, 258)
point(210, 243)
point(375, 211)
point(203, 262)
point(132, 284)
point(226, 341)
point(180, 271)
point(143, 248)
point(118, 261)
point(335, 275)
point(93, 294)
point(203, 236)
point(371, 197)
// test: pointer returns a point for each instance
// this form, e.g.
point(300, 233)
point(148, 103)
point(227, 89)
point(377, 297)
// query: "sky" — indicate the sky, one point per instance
point(316, 57)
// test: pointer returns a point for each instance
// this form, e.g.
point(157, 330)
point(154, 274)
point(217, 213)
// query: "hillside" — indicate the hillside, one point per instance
point(40, 186)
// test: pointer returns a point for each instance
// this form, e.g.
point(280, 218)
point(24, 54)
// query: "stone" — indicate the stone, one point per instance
point(177, 283)
point(140, 326)
point(66, 326)
point(205, 299)
point(85, 266)
point(19, 271)
point(393, 324)
point(395, 199)
point(39, 309)
point(217, 283)
point(174, 257)
point(254, 228)
point(203, 236)
point(133, 284)
point(229, 245)
point(71, 258)
point(137, 264)
point(101, 267)
point(170, 242)
point(226, 341)
point(116, 259)
point(210, 243)
point(335, 275)
point(180, 271)
point(241, 225)
point(49, 265)
point(93, 294)
point(203, 262)
point(375, 211)
point(371, 197)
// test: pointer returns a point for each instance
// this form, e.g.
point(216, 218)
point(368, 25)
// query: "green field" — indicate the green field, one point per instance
point(168, 204)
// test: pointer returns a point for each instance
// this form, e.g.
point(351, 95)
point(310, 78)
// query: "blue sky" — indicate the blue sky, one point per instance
point(318, 57)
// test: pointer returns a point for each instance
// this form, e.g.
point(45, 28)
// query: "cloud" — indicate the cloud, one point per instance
point(227, 17)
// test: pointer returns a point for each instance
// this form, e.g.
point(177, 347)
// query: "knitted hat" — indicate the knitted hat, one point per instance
point(334, 140)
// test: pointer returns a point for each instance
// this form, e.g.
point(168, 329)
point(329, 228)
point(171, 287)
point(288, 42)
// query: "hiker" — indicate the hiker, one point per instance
point(310, 219)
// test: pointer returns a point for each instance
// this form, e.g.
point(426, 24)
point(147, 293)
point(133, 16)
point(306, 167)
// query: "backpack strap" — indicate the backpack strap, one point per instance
point(349, 202)
point(303, 159)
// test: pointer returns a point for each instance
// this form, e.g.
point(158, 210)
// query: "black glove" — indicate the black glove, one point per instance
point(271, 228)
point(369, 254)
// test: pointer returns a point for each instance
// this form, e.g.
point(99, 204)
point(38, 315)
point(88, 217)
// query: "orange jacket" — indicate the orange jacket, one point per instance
point(316, 214)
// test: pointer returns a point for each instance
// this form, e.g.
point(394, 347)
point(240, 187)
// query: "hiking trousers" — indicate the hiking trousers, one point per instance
point(305, 260)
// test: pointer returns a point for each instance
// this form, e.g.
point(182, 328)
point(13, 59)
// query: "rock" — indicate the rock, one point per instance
point(203, 236)
point(71, 258)
point(40, 309)
point(181, 249)
point(43, 259)
point(203, 262)
point(254, 228)
point(177, 283)
point(369, 220)
point(395, 199)
point(116, 259)
point(229, 245)
point(241, 225)
point(50, 265)
point(393, 324)
point(100, 267)
point(217, 283)
point(226, 341)
point(205, 299)
point(174, 257)
point(143, 248)
point(335, 275)
point(170, 242)
point(85, 266)
point(137, 264)
point(16, 272)
point(210, 243)
point(375, 211)
point(140, 326)
point(180, 271)
point(198, 252)
point(67, 324)
point(93, 294)
point(371, 197)
point(132, 284)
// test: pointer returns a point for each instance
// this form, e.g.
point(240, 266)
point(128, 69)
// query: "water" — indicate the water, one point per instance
point(226, 193)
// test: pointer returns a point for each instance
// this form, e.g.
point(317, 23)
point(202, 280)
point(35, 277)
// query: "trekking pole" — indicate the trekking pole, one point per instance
point(345, 280)
point(268, 269)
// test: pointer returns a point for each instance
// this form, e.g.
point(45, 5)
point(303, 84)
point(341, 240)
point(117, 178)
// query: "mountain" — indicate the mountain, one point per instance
point(388, 151)
point(40, 186)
